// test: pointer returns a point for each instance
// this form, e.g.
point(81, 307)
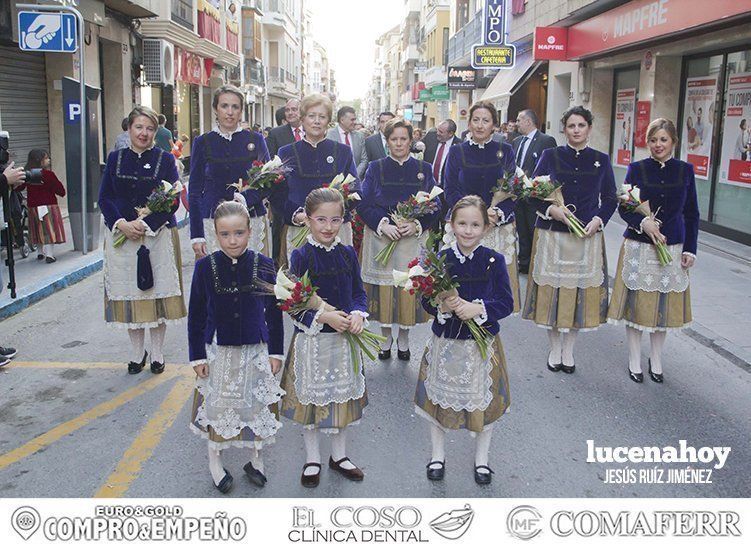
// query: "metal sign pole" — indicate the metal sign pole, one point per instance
point(82, 84)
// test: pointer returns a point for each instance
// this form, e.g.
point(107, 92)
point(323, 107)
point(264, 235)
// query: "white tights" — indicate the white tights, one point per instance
point(656, 342)
point(312, 440)
point(482, 445)
point(137, 340)
point(402, 340)
point(561, 349)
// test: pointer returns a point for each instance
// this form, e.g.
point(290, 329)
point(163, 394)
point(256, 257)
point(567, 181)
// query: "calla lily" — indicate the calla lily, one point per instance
point(417, 270)
point(354, 196)
point(284, 281)
point(626, 187)
point(401, 279)
point(636, 194)
point(520, 173)
point(281, 293)
point(422, 196)
point(526, 181)
point(273, 164)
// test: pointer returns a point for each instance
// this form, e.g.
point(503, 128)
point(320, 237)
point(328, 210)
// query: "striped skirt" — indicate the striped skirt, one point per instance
point(563, 308)
point(146, 314)
point(648, 311)
point(477, 420)
point(48, 230)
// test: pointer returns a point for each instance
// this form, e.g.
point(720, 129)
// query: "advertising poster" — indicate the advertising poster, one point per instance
point(698, 116)
point(643, 111)
point(623, 133)
point(736, 140)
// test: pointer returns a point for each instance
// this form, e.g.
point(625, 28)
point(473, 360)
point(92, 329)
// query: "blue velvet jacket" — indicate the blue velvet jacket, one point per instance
point(671, 191)
point(129, 179)
point(471, 170)
point(216, 162)
point(588, 184)
point(312, 167)
point(482, 276)
point(336, 273)
point(225, 301)
point(387, 183)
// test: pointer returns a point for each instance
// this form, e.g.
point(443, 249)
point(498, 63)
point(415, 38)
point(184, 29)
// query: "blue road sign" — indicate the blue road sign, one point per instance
point(72, 113)
point(50, 32)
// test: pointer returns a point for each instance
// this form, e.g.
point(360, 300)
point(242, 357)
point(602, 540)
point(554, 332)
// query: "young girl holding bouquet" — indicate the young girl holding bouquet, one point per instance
point(458, 387)
point(325, 387)
point(236, 341)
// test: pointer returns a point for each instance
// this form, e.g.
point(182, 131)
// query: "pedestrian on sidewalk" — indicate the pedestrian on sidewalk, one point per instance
point(219, 158)
point(458, 387)
point(153, 243)
point(567, 291)
point(324, 384)
point(474, 168)
point(236, 343)
point(388, 182)
point(647, 295)
point(45, 220)
point(163, 138)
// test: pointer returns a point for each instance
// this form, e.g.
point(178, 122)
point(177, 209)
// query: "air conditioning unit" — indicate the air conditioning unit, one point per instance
point(158, 62)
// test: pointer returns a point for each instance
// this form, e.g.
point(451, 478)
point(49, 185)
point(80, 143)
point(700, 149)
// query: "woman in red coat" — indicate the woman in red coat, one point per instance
point(45, 221)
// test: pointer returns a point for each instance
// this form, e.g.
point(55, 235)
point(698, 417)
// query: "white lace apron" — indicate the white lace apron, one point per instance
point(501, 238)
point(120, 267)
point(324, 372)
point(406, 250)
point(238, 391)
point(563, 260)
point(260, 232)
point(458, 378)
point(345, 235)
point(642, 270)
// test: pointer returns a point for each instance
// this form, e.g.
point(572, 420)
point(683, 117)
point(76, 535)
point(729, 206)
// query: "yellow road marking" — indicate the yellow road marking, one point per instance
point(181, 369)
point(87, 417)
point(147, 440)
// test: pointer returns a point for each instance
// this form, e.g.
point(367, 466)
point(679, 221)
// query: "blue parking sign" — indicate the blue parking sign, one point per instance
point(49, 32)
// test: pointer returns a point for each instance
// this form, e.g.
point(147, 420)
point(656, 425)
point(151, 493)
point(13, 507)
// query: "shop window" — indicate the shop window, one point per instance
point(626, 93)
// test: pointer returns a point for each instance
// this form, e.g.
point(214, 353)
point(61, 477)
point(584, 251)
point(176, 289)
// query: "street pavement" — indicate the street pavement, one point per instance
point(73, 423)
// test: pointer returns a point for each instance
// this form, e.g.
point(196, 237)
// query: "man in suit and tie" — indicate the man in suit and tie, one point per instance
point(344, 132)
point(528, 148)
point(278, 137)
point(375, 145)
point(437, 146)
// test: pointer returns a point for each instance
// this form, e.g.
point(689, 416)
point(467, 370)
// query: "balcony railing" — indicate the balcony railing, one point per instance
point(461, 43)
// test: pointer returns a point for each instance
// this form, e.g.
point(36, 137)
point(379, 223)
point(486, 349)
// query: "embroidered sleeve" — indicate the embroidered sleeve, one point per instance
point(483, 317)
point(298, 210)
point(384, 221)
point(546, 215)
point(315, 326)
point(198, 362)
point(418, 229)
point(501, 216)
point(197, 241)
point(441, 317)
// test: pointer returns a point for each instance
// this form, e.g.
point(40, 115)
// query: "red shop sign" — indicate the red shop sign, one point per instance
point(643, 20)
point(550, 43)
point(643, 111)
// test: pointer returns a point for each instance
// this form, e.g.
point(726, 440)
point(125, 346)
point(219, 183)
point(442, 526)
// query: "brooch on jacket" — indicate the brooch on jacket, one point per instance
point(597, 164)
point(421, 176)
point(147, 166)
point(330, 159)
point(499, 154)
point(251, 146)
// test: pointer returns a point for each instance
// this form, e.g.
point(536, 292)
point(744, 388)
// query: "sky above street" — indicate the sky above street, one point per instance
point(348, 29)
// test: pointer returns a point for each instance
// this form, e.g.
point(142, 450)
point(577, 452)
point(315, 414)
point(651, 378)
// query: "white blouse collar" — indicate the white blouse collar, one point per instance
point(662, 164)
point(461, 257)
point(227, 136)
point(400, 163)
point(142, 152)
point(481, 145)
point(312, 241)
point(305, 139)
point(577, 151)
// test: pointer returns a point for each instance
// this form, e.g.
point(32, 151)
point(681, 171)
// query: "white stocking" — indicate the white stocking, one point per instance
point(311, 437)
point(157, 342)
point(633, 339)
point(402, 341)
point(215, 465)
point(438, 441)
point(554, 358)
point(386, 331)
point(657, 341)
point(136, 339)
point(257, 459)
point(482, 447)
point(48, 250)
point(339, 448)
point(567, 350)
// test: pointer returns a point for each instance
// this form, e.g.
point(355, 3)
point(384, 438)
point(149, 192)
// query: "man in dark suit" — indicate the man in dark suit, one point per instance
point(437, 146)
point(528, 149)
point(375, 145)
point(279, 137)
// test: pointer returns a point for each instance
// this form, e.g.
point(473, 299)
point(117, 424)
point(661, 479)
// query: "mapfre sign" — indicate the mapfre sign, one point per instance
point(550, 43)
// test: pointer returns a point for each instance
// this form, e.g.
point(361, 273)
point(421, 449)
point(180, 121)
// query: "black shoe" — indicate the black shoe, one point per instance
point(135, 368)
point(657, 378)
point(637, 377)
point(254, 475)
point(226, 484)
point(568, 369)
point(384, 354)
point(4, 361)
point(438, 473)
point(354, 474)
point(552, 367)
point(403, 355)
point(157, 367)
point(8, 353)
point(314, 479)
point(40, 257)
point(483, 478)
point(50, 260)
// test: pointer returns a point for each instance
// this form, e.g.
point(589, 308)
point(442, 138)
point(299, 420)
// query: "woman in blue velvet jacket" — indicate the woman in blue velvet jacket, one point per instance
point(567, 290)
point(218, 159)
point(388, 182)
point(131, 174)
point(649, 296)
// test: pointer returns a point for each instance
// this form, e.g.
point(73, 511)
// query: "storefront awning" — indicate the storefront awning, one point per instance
point(507, 82)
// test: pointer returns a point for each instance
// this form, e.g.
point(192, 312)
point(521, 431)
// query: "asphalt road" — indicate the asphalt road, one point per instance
point(73, 423)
